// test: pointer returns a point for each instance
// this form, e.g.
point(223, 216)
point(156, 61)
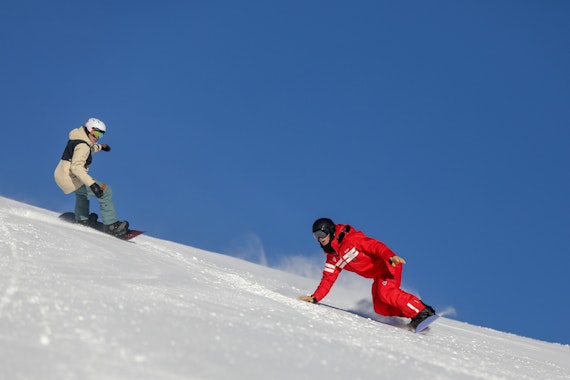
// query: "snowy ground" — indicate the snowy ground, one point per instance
point(77, 304)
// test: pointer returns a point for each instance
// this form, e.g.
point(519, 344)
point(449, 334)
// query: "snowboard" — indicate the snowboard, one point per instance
point(426, 322)
point(99, 226)
point(392, 321)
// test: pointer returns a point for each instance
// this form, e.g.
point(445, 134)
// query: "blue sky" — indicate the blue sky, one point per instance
point(440, 128)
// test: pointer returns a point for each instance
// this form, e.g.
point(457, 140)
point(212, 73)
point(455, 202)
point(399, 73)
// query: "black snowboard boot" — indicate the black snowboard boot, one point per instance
point(427, 312)
point(117, 229)
point(90, 222)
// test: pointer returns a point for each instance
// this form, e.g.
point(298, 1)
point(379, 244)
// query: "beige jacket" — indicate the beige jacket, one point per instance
point(71, 175)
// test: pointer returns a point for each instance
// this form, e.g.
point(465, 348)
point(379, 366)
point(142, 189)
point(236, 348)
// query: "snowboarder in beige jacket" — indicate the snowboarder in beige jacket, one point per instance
point(72, 175)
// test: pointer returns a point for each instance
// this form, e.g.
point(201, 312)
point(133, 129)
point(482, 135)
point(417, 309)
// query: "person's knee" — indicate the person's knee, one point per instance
point(386, 288)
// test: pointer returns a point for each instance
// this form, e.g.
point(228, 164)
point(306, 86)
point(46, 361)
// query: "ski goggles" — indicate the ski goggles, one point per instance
point(321, 234)
point(97, 133)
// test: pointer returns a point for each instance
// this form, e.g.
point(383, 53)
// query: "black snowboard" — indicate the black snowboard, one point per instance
point(96, 224)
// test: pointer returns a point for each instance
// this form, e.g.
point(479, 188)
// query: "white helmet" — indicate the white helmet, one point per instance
point(93, 123)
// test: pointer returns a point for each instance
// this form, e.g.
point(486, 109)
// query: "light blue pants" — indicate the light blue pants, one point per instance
point(108, 213)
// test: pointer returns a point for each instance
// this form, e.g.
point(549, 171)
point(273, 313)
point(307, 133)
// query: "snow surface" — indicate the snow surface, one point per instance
point(78, 304)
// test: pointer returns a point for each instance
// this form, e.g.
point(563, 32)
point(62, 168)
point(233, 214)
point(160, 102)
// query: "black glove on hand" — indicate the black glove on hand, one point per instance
point(97, 190)
point(105, 147)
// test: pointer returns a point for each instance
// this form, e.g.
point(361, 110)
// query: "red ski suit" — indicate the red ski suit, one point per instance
point(368, 258)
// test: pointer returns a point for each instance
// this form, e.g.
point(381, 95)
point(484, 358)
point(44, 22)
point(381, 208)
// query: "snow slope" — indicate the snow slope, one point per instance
point(78, 304)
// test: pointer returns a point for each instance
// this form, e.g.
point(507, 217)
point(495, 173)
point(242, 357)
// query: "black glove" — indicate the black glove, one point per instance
point(97, 190)
point(105, 147)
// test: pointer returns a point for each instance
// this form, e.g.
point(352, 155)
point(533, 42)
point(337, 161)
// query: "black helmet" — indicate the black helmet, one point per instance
point(323, 227)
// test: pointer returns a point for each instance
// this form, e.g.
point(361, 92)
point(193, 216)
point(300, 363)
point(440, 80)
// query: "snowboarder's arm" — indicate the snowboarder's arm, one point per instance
point(375, 247)
point(80, 155)
point(330, 274)
point(100, 147)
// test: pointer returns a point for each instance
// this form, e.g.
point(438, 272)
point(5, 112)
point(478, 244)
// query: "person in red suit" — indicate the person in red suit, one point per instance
point(349, 249)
